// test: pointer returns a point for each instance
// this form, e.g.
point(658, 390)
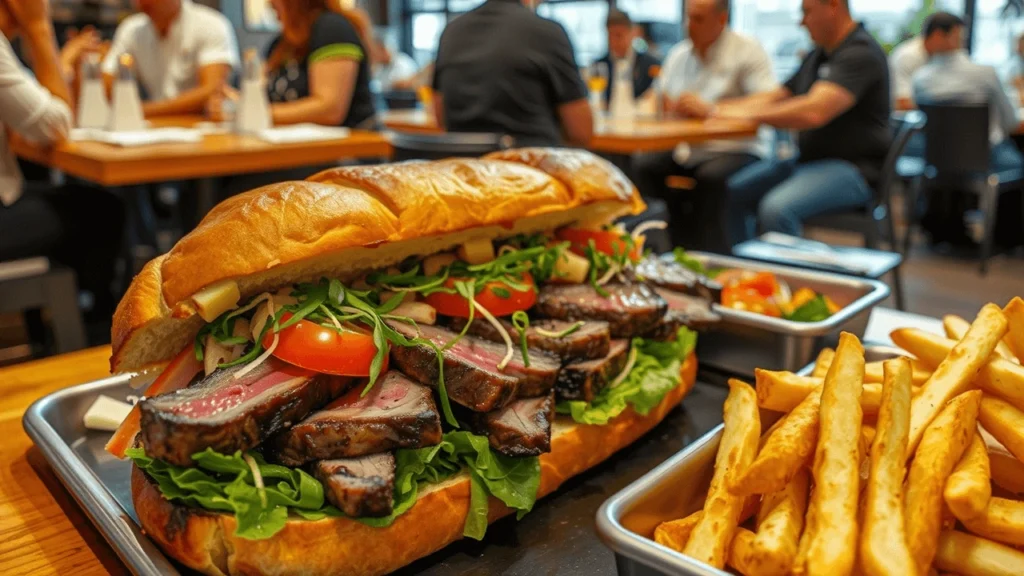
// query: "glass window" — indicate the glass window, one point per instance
point(661, 22)
point(460, 6)
point(585, 23)
point(995, 34)
point(426, 32)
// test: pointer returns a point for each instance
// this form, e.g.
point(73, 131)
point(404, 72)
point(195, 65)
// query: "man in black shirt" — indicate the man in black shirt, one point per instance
point(839, 102)
point(501, 68)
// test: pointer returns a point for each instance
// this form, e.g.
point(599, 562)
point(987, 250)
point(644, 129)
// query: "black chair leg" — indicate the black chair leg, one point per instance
point(911, 209)
point(990, 201)
point(897, 289)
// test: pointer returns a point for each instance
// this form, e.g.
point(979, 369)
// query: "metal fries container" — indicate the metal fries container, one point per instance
point(673, 490)
point(743, 341)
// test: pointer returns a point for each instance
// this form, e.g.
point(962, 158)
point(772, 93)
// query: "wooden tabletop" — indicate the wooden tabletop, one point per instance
point(44, 530)
point(610, 136)
point(219, 154)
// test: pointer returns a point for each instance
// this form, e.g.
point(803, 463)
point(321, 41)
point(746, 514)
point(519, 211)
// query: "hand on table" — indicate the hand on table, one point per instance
point(692, 106)
point(732, 113)
point(215, 105)
point(85, 42)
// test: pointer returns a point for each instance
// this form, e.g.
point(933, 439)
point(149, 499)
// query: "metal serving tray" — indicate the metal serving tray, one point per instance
point(556, 538)
point(743, 341)
point(675, 489)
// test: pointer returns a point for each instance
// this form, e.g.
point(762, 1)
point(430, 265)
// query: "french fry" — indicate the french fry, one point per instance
point(970, 485)
point(712, 534)
point(785, 451)
point(1015, 335)
point(999, 377)
point(674, 533)
point(883, 544)
point(962, 553)
point(833, 506)
point(1005, 422)
point(941, 447)
point(822, 363)
point(929, 349)
point(741, 553)
point(782, 391)
point(802, 547)
point(919, 373)
point(955, 373)
point(1007, 472)
point(774, 546)
point(956, 328)
point(1002, 521)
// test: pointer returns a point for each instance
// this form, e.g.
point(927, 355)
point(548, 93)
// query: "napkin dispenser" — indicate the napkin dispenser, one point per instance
point(253, 113)
point(93, 110)
point(126, 108)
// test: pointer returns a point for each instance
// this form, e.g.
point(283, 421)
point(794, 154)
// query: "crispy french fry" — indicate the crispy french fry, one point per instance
point(1002, 521)
point(928, 348)
point(783, 391)
point(956, 328)
point(833, 542)
point(883, 544)
point(999, 377)
point(941, 447)
point(774, 546)
point(711, 536)
point(1005, 422)
point(675, 533)
point(919, 373)
point(822, 363)
point(970, 485)
point(969, 555)
point(1007, 472)
point(785, 452)
point(741, 553)
point(802, 547)
point(955, 373)
point(1015, 335)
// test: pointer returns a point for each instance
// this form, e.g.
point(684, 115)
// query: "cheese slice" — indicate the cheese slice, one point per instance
point(106, 414)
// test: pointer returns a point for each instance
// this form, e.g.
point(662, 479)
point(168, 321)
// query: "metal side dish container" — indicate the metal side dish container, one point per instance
point(673, 490)
point(743, 340)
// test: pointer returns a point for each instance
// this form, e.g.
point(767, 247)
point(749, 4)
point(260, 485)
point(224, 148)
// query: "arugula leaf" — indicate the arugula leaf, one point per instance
point(521, 322)
point(655, 373)
point(689, 261)
point(814, 310)
point(501, 292)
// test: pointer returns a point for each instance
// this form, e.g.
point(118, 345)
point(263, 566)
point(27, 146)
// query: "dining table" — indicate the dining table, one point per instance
point(620, 136)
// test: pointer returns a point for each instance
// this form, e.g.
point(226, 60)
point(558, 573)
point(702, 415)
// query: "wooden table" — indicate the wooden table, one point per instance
point(611, 136)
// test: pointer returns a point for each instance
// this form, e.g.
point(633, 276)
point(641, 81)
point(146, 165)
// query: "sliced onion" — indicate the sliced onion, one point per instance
point(257, 478)
point(648, 225)
point(259, 360)
point(625, 369)
point(509, 347)
point(421, 312)
point(613, 270)
point(215, 353)
point(783, 293)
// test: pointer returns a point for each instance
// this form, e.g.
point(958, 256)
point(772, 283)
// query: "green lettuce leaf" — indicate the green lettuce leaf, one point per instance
point(814, 310)
point(655, 373)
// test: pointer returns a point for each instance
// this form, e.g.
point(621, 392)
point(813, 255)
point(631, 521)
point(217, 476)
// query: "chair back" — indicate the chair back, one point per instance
point(956, 141)
point(412, 146)
point(904, 126)
point(400, 99)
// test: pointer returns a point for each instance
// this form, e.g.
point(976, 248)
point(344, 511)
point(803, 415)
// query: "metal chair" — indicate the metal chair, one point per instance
point(34, 283)
point(957, 155)
point(410, 146)
point(875, 222)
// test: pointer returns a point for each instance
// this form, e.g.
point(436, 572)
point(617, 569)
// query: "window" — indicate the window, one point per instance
point(426, 32)
point(995, 34)
point(584, 21)
point(662, 21)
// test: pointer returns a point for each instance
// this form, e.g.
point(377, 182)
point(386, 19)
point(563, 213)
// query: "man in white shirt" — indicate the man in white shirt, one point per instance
point(183, 54)
point(904, 60)
point(713, 63)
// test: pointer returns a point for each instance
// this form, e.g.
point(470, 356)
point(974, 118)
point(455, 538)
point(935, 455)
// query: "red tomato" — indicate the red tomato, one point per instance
point(495, 302)
point(308, 345)
point(763, 282)
point(605, 241)
point(749, 299)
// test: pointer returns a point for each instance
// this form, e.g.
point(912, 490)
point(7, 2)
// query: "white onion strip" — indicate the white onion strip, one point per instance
point(257, 478)
point(266, 353)
point(648, 225)
point(613, 270)
point(625, 370)
point(509, 347)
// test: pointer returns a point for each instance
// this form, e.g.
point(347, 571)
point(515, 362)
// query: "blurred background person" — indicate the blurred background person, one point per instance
point(74, 225)
point(950, 77)
point(1015, 71)
point(183, 54)
point(623, 59)
point(501, 68)
point(393, 69)
point(906, 58)
point(839, 101)
point(713, 63)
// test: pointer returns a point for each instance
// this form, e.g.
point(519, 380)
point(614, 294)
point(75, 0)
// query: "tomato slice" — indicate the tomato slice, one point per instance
point(497, 297)
point(749, 299)
point(177, 375)
point(308, 345)
point(605, 241)
point(763, 282)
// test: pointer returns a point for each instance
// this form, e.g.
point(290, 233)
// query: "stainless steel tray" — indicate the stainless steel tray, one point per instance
point(556, 538)
point(675, 489)
point(743, 341)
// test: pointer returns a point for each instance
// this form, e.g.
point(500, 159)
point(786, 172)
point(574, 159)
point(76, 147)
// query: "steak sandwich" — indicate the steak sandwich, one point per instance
point(351, 372)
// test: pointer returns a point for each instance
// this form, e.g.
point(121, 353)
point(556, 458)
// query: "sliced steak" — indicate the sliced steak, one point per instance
point(359, 487)
point(630, 309)
point(471, 374)
point(674, 276)
point(590, 341)
point(227, 413)
point(523, 428)
point(684, 310)
point(396, 413)
point(583, 380)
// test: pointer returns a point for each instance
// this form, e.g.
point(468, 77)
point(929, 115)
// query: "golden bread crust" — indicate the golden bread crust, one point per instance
point(204, 541)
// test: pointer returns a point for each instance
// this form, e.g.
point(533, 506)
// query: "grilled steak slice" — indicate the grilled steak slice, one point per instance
point(583, 380)
point(523, 428)
point(359, 487)
point(630, 309)
point(685, 310)
point(227, 413)
point(396, 413)
point(674, 276)
point(590, 341)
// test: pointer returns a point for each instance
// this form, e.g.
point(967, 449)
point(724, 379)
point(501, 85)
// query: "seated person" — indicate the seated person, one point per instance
point(622, 58)
point(950, 77)
point(393, 69)
point(183, 54)
point(501, 68)
point(839, 101)
point(77, 226)
point(713, 63)
point(906, 59)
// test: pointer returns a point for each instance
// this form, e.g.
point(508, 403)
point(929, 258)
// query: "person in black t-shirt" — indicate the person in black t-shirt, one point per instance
point(839, 102)
point(501, 68)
